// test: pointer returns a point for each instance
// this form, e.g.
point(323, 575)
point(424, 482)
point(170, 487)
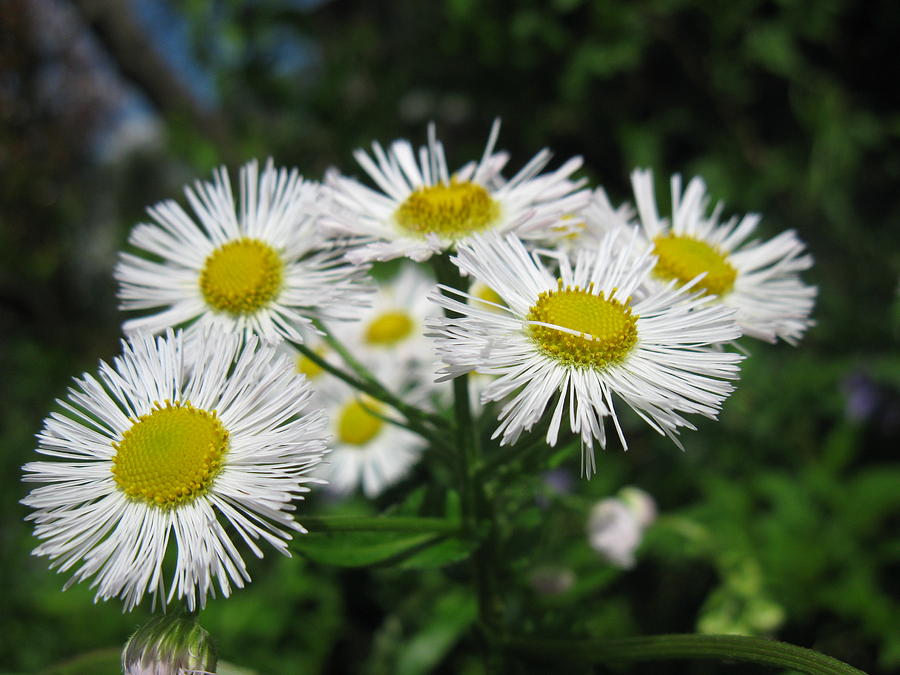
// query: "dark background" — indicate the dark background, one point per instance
point(785, 108)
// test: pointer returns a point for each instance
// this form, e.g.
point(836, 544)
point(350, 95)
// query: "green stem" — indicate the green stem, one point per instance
point(381, 524)
point(365, 375)
point(499, 461)
point(662, 647)
point(355, 365)
point(415, 416)
point(466, 433)
point(475, 505)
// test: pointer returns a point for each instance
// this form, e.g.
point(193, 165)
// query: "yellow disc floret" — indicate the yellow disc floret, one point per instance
point(489, 298)
point(306, 366)
point(241, 276)
point(171, 455)
point(450, 210)
point(356, 425)
point(682, 258)
point(607, 329)
point(389, 328)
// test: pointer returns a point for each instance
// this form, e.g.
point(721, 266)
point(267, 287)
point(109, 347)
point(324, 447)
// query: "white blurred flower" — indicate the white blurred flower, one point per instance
point(389, 336)
point(616, 525)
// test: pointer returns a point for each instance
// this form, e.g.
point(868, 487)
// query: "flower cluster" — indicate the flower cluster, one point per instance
point(267, 349)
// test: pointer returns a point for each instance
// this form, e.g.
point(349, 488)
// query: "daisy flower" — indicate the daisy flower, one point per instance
point(581, 335)
point(759, 279)
point(422, 208)
point(170, 443)
point(390, 335)
point(366, 451)
point(258, 267)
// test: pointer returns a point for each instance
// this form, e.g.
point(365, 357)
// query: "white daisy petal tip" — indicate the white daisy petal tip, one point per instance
point(174, 446)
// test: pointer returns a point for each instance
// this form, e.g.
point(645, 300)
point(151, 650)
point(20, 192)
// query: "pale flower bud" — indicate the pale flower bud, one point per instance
point(616, 525)
point(169, 645)
point(614, 532)
point(640, 504)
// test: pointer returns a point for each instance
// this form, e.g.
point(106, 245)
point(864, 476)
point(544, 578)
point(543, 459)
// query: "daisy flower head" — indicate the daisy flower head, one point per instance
point(367, 451)
point(420, 208)
point(256, 267)
point(583, 334)
point(196, 447)
point(390, 335)
point(759, 279)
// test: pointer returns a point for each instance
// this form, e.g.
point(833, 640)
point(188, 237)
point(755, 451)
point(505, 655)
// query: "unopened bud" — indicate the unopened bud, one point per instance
point(170, 644)
point(616, 525)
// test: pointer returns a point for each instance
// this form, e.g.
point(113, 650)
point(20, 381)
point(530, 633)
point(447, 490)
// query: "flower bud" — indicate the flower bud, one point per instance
point(614, 532)
point(170, 644)
point(616, 525)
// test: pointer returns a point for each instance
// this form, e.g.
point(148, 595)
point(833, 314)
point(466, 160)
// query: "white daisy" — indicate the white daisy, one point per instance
point(390, 336)
point(584, 336)
point(162, 446)
point(366, 451)
point(423, 209)
point(759, 279)
point(259, 267)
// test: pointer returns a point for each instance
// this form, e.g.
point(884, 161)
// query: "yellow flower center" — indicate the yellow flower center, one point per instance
point(570, 231)
point(306, 366)
point(607, 328)
point(171, 455)
point(356, 425)
point(450, 210)
point(389, 328)
point(487, 295)
point(241, 276)
point(682, 258)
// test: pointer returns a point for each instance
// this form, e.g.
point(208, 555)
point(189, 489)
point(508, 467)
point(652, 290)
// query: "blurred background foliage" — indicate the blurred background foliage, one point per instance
point(781, 520)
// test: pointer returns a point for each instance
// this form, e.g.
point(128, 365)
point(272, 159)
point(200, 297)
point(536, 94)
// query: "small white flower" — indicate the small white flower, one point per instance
point(163, 445)
point(616, 525)
point(390, 336)
point(257, 268)
point(759, 279)
point(583, 335)
point(367, 451)
point(423, 209)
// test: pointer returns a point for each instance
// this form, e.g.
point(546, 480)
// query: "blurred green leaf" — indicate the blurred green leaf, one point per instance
point(361, 549)
point(446, 552)
point(100, 662)
point(451, 615)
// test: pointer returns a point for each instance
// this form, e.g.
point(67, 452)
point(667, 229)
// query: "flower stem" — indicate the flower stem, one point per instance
point(415, 416)
point(365, 375)
point(662, 647)
point(475, 505)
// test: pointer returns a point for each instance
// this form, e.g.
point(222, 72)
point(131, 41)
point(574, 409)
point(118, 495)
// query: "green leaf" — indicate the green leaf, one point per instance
point(453, 613)
point(446, 552)
point(100, 662)
point(360, 549)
